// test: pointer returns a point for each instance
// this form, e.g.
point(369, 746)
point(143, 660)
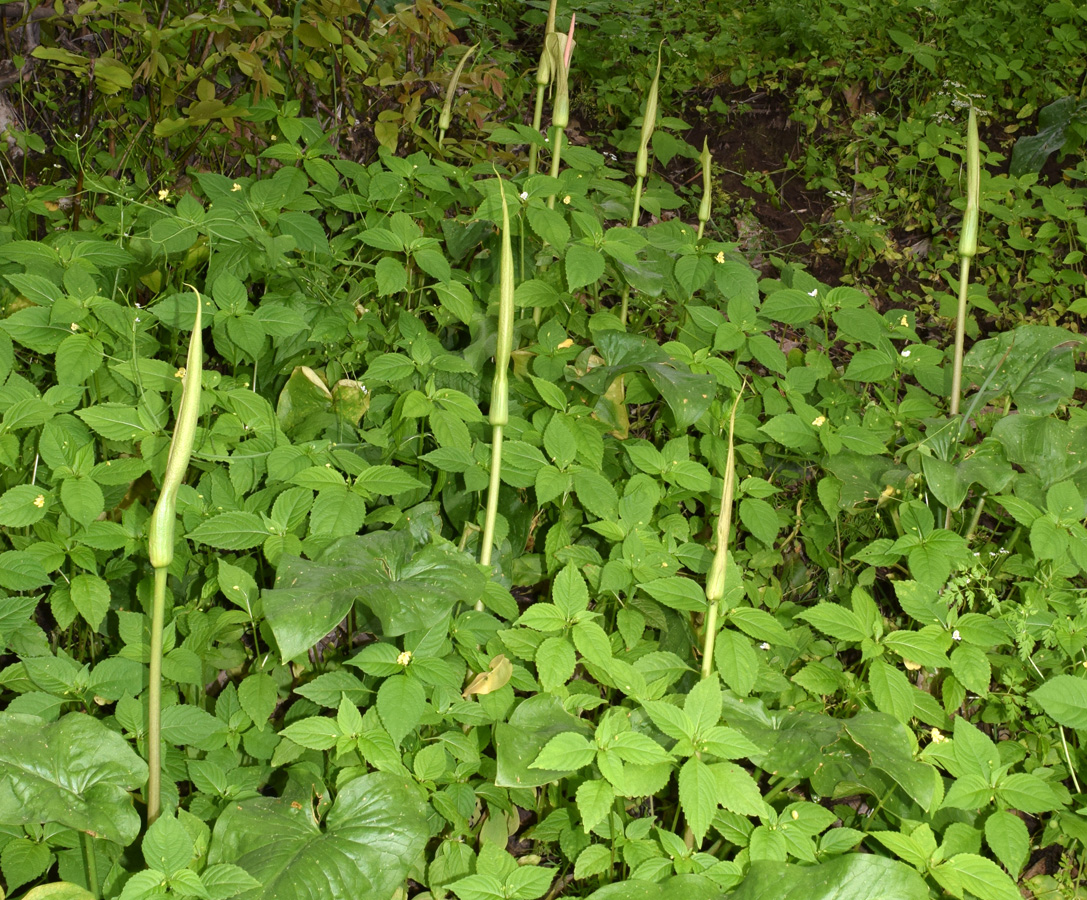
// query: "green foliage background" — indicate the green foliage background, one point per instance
point(354, 706)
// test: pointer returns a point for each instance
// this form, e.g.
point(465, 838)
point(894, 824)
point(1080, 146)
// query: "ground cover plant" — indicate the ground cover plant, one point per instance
point(402, 500)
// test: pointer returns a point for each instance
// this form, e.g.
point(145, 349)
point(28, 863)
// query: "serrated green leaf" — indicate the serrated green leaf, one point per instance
point(231, 531)
point(401, 702)
point(258, 695)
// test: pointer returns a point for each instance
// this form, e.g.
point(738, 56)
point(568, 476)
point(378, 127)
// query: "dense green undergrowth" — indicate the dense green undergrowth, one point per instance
point(889, 699)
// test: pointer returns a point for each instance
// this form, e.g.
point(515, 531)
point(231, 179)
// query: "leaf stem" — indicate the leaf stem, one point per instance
point(90, 864)
point(492, 497)
point(154, 699)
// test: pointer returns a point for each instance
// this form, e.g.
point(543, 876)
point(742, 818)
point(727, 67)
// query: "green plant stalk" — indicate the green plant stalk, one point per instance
point(500, 390)
point(968, 248)
point(715, 582)
point(160, 546)
point(641, 163)
point(446, 117)
point(90, 864)
point(543, 79)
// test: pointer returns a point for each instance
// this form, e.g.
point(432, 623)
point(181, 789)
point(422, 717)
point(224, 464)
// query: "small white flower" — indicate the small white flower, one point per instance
point(524, 195)
point(74, 327)
point(955, 636)
point(164, 194)
point(819, 421)
point(764, 645)
point(235, 187)
point(905, 354)
point(404, 658)
point(813, 292)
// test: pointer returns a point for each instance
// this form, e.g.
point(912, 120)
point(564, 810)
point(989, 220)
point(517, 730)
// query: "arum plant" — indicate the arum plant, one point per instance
point(500, 390)
point(641, 163)
point(707, 188)
point(446, 116)
point(160, 546)
point(968, 248)
point(543, 79)
point(562, 49)
point(715, 581)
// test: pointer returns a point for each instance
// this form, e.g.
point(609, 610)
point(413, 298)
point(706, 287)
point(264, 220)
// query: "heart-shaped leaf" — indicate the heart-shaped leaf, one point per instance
point(404, 586)
point(74, 772)
point(374, 831)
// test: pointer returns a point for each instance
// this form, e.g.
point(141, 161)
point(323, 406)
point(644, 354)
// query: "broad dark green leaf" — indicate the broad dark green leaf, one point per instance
point(375, 830)
point(678, 887)
point(687, 395)
point(519, 741)
point(74, 772)
point(1033, 363)
point(405, 586)
point(854, 876)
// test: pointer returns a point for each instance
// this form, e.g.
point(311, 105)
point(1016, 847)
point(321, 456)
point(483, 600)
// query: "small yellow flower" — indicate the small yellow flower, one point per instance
point(235, 187)
point(819, 421)
point(566, 199)
point(39, 501)
point(720, 257)
point(904, 322)
point(404, 658)
point(937, 737)
point(795, 815)
point(180, 373)
point(164, 194)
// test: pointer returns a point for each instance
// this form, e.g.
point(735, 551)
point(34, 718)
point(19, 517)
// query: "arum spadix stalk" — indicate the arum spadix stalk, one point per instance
point(447, 108)
point(715, 582)
point(562, 49)
point(707, 188)
point(968, 248)
point(543, 79)
point(160, 548)
point(500, 390)
point(641, 163)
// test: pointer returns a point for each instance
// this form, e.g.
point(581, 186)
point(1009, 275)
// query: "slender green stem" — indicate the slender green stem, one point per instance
point(636, 212)
point(960, 335)
point(90, 865)
point(154, 699)
point(1068, 759)
point(780, 786)
point(975, 518)
point(537, 118)
point(492, 497)
point(634, 216)
point(556, 159)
